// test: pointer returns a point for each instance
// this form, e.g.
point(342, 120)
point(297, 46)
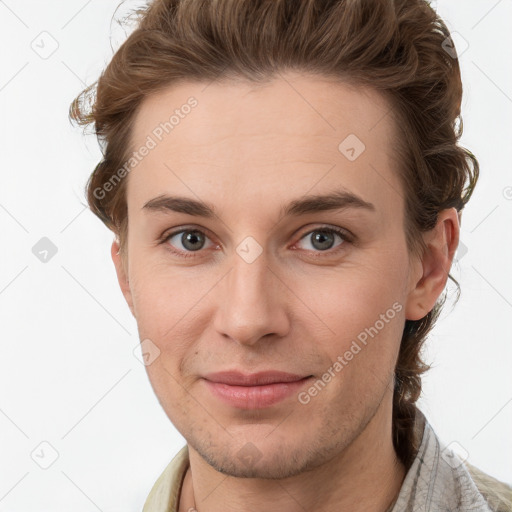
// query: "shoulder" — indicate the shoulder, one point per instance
point(164, 496)
point(497, 494)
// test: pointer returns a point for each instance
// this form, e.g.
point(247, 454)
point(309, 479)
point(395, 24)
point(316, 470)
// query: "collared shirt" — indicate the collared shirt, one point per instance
point(437, 481)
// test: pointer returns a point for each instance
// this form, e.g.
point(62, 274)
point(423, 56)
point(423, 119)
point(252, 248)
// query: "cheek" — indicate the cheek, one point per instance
point(361, 352)
point(346, 301)
point(363, 308)
point(166, 308)
point(161, 295)
point(171, 311)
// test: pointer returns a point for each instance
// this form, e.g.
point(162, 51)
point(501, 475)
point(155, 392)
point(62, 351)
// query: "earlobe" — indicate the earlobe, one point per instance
point(431, 273)
point(122, 274)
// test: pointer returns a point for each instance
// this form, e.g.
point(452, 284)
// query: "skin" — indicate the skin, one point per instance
point(248, 150)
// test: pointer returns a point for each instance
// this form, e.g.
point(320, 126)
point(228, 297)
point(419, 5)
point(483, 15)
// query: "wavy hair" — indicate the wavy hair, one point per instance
point(400, 48)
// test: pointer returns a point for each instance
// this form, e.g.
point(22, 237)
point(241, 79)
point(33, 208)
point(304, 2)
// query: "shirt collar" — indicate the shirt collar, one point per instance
point(437, 479)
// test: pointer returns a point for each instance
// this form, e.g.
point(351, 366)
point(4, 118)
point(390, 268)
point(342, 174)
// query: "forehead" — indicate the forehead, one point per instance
point(284, 135)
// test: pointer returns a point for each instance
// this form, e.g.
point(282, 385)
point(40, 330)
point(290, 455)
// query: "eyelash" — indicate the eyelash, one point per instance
point(342, 233)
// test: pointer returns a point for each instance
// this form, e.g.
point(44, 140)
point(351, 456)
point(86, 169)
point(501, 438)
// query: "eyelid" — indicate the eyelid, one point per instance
point(344, 233)
point(179, 229)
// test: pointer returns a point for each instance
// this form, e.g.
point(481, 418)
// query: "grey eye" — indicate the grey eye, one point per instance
point(322, 239)
point(190, 239)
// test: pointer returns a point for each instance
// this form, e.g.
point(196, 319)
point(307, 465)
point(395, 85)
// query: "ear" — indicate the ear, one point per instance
point(430, 274)
point(122, 274)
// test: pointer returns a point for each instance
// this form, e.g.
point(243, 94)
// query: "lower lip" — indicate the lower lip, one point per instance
point(255, 397)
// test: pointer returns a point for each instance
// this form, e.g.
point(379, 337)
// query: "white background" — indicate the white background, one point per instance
point(68, 374)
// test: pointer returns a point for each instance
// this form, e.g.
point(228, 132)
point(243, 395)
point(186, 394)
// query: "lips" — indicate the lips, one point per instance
point(235, 378)
point(253, 391)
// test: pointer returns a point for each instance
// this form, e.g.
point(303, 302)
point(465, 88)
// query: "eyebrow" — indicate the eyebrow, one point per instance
point(337, 200)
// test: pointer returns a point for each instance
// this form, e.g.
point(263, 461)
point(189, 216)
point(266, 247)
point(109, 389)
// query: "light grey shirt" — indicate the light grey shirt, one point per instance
point(438, 480)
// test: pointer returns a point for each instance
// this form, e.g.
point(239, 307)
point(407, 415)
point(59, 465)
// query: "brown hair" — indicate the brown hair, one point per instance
point(400, 48)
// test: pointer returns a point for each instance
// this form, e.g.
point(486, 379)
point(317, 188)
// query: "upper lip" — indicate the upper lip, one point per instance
point(235, 378)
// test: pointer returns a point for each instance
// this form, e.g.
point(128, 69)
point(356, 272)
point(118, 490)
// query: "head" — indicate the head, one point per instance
point(340, 96)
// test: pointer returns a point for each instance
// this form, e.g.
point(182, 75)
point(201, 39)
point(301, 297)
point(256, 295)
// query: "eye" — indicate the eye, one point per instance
point(324, 239)
point(186, 241)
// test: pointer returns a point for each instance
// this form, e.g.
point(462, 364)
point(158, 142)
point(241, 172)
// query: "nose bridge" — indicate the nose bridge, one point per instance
point(249, 281)
point(251, 305)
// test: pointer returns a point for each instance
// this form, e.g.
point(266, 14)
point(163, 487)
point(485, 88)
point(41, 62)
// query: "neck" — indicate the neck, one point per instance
point(366, 476)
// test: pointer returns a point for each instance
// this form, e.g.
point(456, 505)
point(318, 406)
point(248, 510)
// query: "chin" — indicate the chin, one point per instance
point(267, 456)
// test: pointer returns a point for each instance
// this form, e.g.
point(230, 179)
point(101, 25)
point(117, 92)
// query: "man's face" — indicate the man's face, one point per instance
point(254, 289)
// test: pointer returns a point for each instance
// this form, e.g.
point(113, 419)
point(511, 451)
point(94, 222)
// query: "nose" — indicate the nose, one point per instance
point(251, 303)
